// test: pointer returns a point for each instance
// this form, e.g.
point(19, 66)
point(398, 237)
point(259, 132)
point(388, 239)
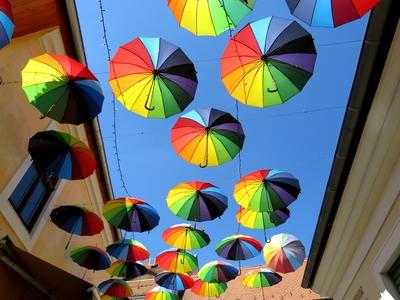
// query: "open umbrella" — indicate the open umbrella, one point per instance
point(128, 250)
point(127, 270)
point(207, 137)
point(160, 293)
point(210, 17)
point(268, 62)
point(261, 278)
point(175, 281)
point(152, 77)
point(61, 155)
point(330, 13)
point(62, 88)
point(177, 260)
point(209, 289)
point(6, 23)
point(131, 214)
point(197, 201)
point(185, 236)
point(90, 257)
point(266, 190)
point(115, 288)
point(284, 253)
point(217, 271)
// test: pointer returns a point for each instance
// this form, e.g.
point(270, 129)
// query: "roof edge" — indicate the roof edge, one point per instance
point(377, 41)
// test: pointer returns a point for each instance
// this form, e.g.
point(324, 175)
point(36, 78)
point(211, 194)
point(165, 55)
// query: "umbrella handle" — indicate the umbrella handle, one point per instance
point(148, 108)
point(271, 90)
point(203, 166)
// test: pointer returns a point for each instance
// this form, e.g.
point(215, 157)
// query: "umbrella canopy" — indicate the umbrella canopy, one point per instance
point(77, 220)
point(115, 288)
point(152, 77)
point(128, 250)
point(217, 271)
point(284, 253)
point(263, 277)
point(197, 201)
point(268, 62)
point(6, 23)
point(177, 260)
point(174, 281)
point(262, 219)
point(62, 88)
point(160, 293)
point(207, 137)
point(131, 214)
point(238, 247)
point(185, 236)
point(266, 190)
point(209, 289)
point(210, 17)
point(329, 13)
point(61, 155)
point(90, 257)
point(128, 270)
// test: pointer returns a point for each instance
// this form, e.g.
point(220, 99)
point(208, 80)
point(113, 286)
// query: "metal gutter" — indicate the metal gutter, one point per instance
point(379, 34)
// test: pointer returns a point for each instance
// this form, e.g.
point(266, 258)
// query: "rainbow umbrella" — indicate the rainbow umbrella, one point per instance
point(210, 17)
point(115, 288)
point(131, 214)
point(261, 278)
point(61, 155)
point(160, 293)
point(266, 190)
point(152, 77)
point(330, 13)
point(238, 247)
point(197, 201)
point(90, 257)
point(217, 271)
point(284, 253)
point(175, 281)
point(6, 23)
point(62, 88)
point(209, 289)
point(185, 236)
point(207, 137)
point(177, 260)
point(128, 250)
point(128, 270)
point(268, 62)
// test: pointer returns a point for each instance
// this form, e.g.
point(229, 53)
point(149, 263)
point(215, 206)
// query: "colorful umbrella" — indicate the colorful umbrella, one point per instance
point(210, 17)
point(217, 271)
point(175, 281)
point(62, 89)
point(262, 219)
point(261, 278)
point(128, 270)
point(90, 257)
point(268, 62)
point(238, 247)
point(6, 23)
point(185, 236)
point(61, 155)
point(208, 137)
point(284, 253)
point(197, 201)
point(131, 214)
point(128, 250)
point(160, 293)
point(330, 13)
point(177, 260)
point(153, 78)
point(209, 289)
point(115, 288)
point(266, 190)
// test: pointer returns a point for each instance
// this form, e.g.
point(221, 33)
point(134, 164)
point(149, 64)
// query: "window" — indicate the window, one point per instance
point(31, 194)
point(394, 274)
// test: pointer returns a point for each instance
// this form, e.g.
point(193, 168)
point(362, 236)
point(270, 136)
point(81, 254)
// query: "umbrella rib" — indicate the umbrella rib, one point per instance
point(141, 92)
point(151, 67)
point(50, 66)
point(131, 64)
point(244, 75)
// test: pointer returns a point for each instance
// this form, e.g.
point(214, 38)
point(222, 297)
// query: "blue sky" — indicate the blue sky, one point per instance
point(299, 136)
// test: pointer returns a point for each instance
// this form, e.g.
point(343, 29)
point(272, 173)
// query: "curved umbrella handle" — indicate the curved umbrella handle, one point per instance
point(203, 166)
point(271, 90)
point(147, 107)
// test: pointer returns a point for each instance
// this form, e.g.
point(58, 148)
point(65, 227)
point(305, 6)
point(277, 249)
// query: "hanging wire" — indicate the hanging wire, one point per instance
point(114, 124)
